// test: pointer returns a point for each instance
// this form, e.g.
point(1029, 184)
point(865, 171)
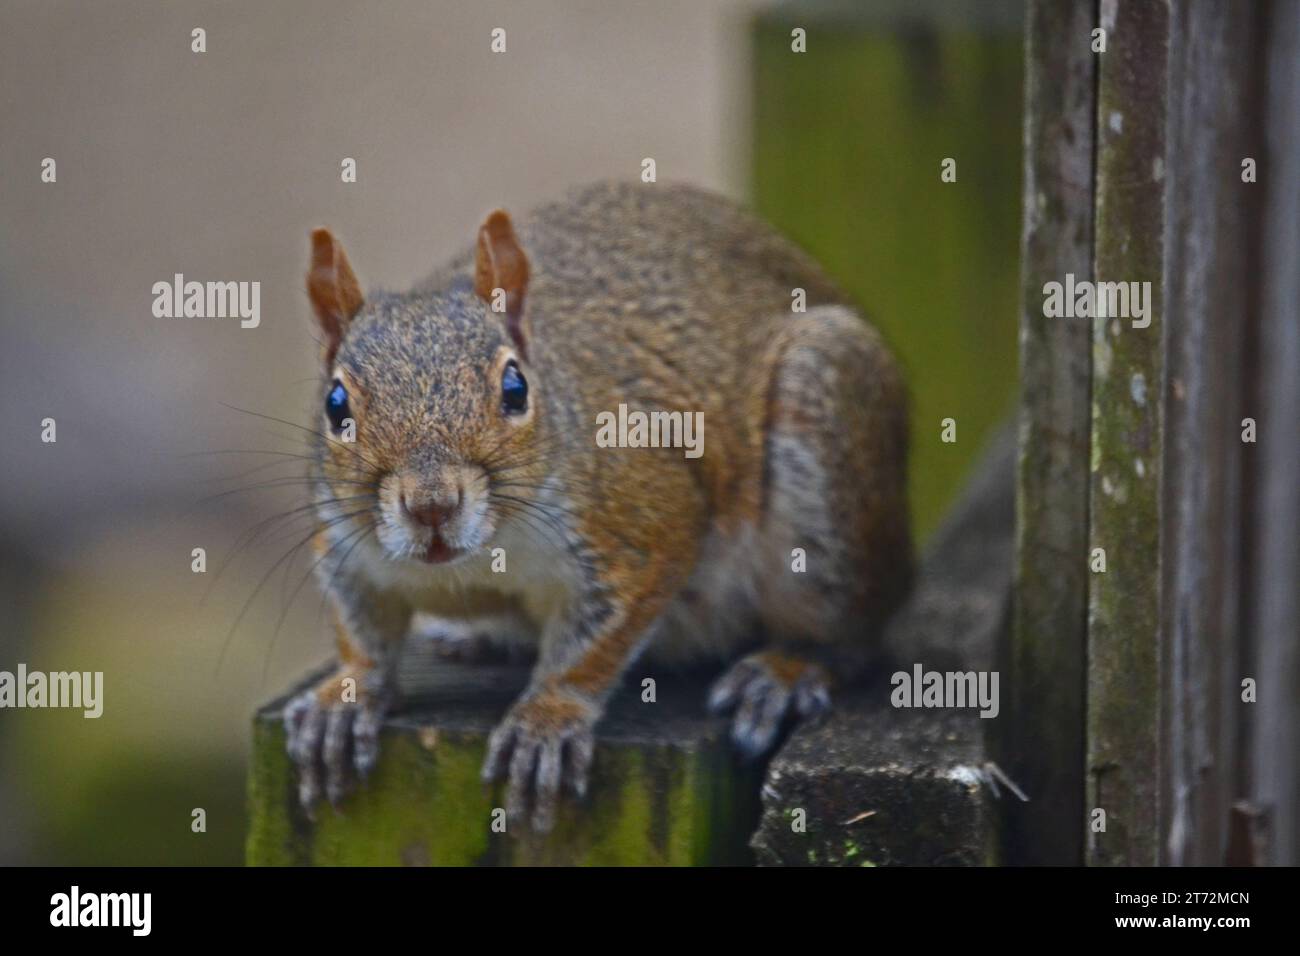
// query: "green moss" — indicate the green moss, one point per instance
point(1124, 510)
point(649, 806)
point(270, 831)
point(420, 806)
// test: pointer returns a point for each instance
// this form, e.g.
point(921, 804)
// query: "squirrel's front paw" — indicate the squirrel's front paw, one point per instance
point(332, 733)
point(545, 741)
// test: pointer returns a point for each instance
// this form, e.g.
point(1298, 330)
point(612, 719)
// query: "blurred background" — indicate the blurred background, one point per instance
point(217, 164)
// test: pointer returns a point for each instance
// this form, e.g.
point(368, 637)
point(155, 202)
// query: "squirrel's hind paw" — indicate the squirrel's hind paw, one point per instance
point(333, 742)
point(764, 689)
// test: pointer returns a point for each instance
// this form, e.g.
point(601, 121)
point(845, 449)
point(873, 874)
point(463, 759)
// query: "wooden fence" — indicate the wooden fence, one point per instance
point(1156, 702)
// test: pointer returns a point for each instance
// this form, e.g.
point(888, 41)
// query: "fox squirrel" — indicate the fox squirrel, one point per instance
point(456, 472)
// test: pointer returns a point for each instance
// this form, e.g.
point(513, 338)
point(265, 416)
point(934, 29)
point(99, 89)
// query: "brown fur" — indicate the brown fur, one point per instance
point(663, 298)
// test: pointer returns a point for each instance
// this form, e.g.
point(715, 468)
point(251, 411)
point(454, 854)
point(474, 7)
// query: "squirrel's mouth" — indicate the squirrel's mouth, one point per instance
point(438, 551)
point(430, 536)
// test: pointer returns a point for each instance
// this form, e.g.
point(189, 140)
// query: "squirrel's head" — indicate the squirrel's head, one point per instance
point(428, 407)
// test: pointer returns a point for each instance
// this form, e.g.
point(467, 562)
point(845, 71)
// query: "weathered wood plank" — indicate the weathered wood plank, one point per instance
point(1040, 741)
point(1275, 662)
point(1123, 702)
point(1210, 230)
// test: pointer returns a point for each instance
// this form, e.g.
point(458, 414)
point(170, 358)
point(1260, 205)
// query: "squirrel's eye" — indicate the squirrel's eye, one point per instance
point(514, 390)
point(336, 405)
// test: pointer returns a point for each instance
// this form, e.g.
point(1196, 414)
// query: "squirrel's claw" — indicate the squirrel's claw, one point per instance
point(544, 744)
point(365, 740)
point(334, 752)
point(764, 689)
point(332, 745)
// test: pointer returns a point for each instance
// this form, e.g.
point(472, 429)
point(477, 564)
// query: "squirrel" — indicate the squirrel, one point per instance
point(456, 472)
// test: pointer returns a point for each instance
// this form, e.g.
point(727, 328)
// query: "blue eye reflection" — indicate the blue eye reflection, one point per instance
point(514, 389)
point(336, 405)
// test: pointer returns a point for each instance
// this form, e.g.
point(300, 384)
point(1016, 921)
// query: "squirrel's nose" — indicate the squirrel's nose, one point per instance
point(431, 514)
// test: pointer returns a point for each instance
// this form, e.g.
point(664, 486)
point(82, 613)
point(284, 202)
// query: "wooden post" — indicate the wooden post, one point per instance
point(1273, 752)
point(1211, 298)
point(1177, 770)
point(1127, 448)
point(665, 787)
point(1196, 602)
point(1040, 741)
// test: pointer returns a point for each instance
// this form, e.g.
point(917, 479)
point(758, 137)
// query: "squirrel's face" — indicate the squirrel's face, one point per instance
point(428, 416)
point(435, 413)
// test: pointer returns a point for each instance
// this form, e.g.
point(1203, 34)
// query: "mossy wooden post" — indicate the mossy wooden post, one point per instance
point(1178, 614)
point(1040, 742)
point(665, 787)
point(850, 138)
point(1127, 449)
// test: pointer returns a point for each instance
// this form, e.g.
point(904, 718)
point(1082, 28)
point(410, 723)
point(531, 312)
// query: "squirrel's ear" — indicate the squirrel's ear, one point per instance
point(331, 284)
point(500, 263)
